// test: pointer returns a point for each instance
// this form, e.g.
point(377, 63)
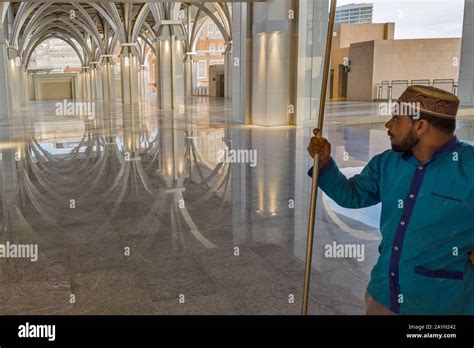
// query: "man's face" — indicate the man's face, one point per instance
point(401, 132)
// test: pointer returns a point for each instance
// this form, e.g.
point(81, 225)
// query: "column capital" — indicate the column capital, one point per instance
point(129, 44)
point(189, 56)
point(94, 65)
point(129, 48)
point(169, 22)
point(228, 47)
point(12, 52)
point(107, 58)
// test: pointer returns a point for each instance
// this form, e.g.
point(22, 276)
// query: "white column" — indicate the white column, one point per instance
point(188, 75)
point(276, 82)
point(143, 81)
point(466, 73)
point(108, 78)
point(271, 64)
point(170, 72)
point(96, 80)
point(188, 64)
point(242, 67)
point(24, 86)
point(129, 74)
point(228, 67)
point(87, 83)
point(194, 78)
point(79, 89)
point(92, 82)
point(83, 79)
point(14, 77)
point(105, 84)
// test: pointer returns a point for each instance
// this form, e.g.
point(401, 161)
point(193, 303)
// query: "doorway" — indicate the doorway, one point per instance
point(342, 81)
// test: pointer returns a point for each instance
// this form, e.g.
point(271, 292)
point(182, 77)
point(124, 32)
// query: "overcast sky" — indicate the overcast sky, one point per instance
point(418, 18)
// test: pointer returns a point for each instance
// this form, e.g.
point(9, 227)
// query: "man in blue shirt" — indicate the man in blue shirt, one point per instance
point(427, 221)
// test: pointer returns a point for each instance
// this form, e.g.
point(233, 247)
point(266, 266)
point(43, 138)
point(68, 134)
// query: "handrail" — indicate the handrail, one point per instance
point(447, 84)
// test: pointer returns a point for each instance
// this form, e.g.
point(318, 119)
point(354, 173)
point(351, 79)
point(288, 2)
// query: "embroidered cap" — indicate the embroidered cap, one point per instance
point(431, 100)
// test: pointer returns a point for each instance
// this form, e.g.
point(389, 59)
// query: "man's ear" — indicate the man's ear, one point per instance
point(422, 126)
point(471, 257)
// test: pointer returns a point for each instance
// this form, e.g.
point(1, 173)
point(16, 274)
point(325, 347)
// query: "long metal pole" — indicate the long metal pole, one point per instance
point(314, 185)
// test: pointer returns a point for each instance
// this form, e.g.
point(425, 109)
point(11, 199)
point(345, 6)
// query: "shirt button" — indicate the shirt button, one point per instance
point(420, 167)
point(392, 274)
point(402, 223)
point(412, 195)
point(395, 248)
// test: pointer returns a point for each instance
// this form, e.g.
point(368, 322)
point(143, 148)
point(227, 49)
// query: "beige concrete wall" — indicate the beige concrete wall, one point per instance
point(416, 59)
point(412, 59)
point(56, 90)
point(347, 34)
point(360, 79)
point(353, 33)
point(55, 86)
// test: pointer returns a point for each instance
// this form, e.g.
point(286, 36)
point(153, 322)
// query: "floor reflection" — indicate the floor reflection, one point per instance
point(134, 213)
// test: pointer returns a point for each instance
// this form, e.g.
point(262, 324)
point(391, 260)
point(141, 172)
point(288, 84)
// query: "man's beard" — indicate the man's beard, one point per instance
point(407, 143)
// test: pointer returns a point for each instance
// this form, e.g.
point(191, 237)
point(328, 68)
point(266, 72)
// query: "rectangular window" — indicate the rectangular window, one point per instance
point(201, 73)
point(210, 30)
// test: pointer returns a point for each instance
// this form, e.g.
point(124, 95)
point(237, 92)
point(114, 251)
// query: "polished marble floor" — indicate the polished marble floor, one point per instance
point(134, 212)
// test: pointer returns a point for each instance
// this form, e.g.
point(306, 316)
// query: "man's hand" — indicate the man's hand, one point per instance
point(320, 146)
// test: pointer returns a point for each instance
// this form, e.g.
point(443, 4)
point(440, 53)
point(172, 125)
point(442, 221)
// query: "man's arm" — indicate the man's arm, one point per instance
point(359, 191)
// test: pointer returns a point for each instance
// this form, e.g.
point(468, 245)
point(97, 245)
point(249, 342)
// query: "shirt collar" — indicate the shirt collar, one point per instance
point(448, 146)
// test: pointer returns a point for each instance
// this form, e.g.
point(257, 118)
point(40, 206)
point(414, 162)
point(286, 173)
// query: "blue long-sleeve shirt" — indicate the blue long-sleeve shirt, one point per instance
point(427, 226)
